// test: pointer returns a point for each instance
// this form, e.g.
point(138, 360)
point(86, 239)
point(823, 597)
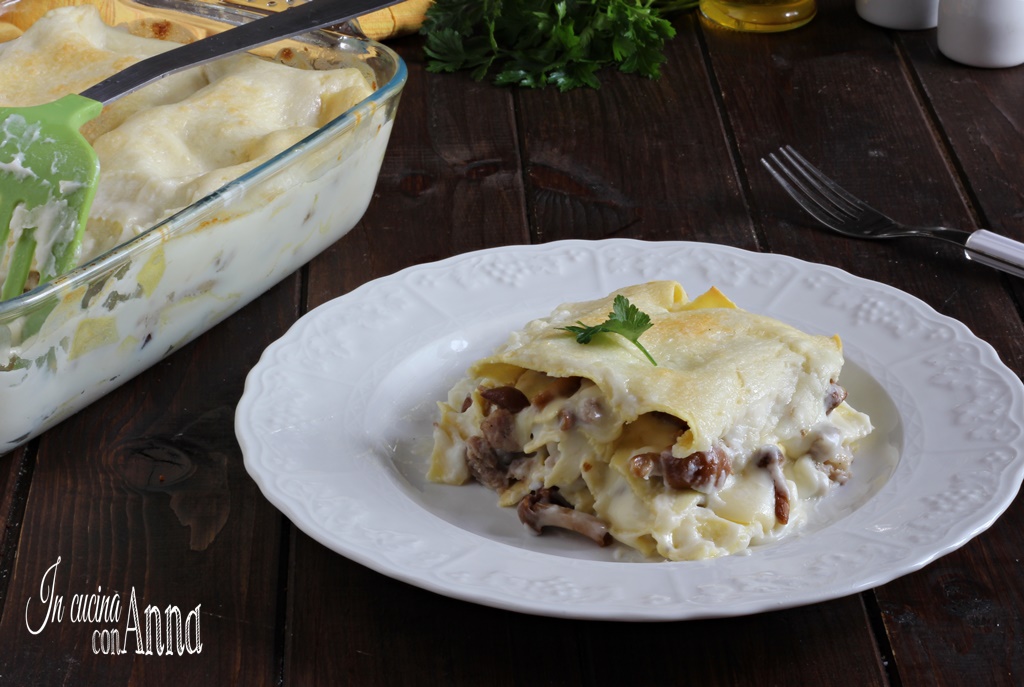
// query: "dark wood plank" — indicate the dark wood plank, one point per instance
point(385, 632)
point(145, 491)
point(841, 96)
point(450, 183)
point(10, 466)
point(962, 615)
point(638, 158)
point(796, 646)
point(956, 616)
point(863, 128)
point(15, 475)
point(981, 112)
point(847, 108)
point(981, 115)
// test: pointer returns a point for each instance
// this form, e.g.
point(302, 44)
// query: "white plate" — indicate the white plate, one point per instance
point(335, 427)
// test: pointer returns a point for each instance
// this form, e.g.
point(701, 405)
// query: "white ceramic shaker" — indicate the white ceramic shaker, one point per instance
point(982, 33)
point(900, 14)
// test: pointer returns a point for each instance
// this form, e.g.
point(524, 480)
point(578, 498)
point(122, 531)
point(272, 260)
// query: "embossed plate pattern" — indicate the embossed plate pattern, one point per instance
point(335, 427)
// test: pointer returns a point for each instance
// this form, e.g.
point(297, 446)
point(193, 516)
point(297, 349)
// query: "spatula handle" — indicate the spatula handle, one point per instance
point(299, 19)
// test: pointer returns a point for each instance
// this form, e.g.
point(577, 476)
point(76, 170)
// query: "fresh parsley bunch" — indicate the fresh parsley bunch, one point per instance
point(535, 43)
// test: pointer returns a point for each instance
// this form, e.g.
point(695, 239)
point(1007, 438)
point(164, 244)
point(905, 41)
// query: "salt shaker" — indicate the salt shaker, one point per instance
point(900, 14)
point(982, 33)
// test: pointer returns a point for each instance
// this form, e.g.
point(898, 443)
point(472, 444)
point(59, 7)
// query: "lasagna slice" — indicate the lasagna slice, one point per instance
point(722, 444)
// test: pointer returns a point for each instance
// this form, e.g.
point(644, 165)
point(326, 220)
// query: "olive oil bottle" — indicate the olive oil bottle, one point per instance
point(761, 16)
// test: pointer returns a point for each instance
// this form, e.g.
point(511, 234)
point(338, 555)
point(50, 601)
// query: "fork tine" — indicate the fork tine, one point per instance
point(798, 190)
point(844, 200)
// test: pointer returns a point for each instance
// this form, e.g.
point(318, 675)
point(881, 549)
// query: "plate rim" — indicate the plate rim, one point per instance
point(248, 444)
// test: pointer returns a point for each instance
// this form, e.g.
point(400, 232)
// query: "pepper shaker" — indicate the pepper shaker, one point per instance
point(982, 33)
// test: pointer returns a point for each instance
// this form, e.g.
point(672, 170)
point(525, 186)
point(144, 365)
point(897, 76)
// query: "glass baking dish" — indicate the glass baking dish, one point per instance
point(69, 342)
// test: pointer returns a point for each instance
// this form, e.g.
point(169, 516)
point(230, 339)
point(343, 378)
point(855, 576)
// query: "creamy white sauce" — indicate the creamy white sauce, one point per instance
point(17, 168)
point(19, 135)
point(718, 518)
point(53, 224)
point(67, 187)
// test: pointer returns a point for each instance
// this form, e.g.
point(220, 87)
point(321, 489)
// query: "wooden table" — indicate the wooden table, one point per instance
point(472, 166)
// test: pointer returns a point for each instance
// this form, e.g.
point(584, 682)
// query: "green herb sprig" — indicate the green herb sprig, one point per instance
point(625, 319)
point(534, 43)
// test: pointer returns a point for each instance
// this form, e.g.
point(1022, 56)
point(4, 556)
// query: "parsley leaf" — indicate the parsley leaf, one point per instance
point(625, 319)
point(536, 43)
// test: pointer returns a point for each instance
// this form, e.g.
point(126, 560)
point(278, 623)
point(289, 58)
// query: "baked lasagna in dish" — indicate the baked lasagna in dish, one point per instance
point(175, 141)
point(723, 441)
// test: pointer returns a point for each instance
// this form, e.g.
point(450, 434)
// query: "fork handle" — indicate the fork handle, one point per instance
point(997, 251)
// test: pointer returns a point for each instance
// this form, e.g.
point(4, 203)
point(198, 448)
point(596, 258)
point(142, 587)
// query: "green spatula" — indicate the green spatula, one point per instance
point(48, 171)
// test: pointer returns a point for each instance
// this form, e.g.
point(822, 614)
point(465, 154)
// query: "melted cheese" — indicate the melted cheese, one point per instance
point(727, 381)
point(173, 142)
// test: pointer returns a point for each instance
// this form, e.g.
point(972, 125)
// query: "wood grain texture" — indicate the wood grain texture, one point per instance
point(146, 489)
point(154, 499)
point(953, 619)
point(878, 148)
point(15, 476)
point(634, 159)
point(450, 183)
point(981, 113)
point(400, 635)
point(961, 615)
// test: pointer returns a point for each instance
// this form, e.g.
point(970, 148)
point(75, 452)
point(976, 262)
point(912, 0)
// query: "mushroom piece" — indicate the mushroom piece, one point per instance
point(508, 397)
point(834, 396)
point(486, 465)
point(548, 508)
point(771, 458)
point(703, 471)
point(499, 430)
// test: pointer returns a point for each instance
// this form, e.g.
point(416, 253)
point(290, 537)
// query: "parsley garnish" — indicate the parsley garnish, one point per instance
point(625, 319)
point(534, 43)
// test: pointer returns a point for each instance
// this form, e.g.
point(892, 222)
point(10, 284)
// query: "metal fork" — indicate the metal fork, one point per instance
point(846, 214)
